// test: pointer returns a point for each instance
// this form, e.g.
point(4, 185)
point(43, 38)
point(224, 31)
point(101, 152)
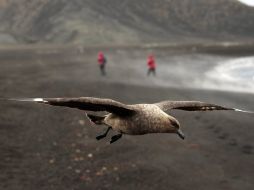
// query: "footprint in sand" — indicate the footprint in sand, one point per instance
point(247, 149)
point(223, 136)
point(211, 127)
point(197, 117)
point(233, 142)
point(217, 130)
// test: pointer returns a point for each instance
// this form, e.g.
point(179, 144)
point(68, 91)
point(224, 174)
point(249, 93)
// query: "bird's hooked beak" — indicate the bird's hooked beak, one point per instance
point(180, 134)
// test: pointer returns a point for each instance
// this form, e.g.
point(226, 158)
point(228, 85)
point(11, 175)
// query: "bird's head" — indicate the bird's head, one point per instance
point(175, 127)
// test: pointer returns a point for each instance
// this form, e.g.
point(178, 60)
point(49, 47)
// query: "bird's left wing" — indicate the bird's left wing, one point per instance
point(85, 103)
point(193, 106)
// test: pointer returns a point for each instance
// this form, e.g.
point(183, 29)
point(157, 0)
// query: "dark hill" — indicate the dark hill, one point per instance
point(124, 22)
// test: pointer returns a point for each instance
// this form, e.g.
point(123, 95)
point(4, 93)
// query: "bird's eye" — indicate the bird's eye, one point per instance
point(175, 124)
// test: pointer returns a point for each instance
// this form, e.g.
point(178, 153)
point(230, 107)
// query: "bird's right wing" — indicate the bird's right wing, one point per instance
point(193, 106)
point(85, 103)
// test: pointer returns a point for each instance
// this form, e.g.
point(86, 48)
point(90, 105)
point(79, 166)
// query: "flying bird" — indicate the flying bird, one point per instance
point(137, 119)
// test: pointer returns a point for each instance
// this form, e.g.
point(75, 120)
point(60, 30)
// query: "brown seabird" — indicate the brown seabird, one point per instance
point(137, 119)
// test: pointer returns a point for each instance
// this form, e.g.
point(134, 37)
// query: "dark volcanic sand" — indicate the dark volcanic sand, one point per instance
point(45, 147)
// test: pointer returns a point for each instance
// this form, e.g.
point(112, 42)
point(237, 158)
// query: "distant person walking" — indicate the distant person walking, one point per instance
point(151, 65)
point(102, 62)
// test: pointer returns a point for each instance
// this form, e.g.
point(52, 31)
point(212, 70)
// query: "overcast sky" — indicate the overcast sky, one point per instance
point(248, 2)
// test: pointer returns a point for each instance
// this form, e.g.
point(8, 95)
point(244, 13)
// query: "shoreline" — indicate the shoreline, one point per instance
point(224, 48)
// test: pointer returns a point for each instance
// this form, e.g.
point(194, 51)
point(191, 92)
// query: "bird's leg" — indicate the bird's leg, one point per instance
point(115, 138)
point(104, 134)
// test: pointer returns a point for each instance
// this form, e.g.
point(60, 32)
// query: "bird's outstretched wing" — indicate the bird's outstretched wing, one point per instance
point(84, 103)
point(193, 106)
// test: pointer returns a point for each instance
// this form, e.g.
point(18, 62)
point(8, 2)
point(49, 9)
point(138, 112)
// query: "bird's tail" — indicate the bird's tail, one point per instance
point(99, 120)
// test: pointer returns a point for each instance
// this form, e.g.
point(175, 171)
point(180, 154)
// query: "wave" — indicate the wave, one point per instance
point(235, 75)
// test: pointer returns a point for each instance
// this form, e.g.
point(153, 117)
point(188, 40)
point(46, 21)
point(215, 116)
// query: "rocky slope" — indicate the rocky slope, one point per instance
point(124, 22)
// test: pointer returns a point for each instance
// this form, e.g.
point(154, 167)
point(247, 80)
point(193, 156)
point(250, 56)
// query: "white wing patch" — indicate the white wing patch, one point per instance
point(243, 111)
point(38, 100)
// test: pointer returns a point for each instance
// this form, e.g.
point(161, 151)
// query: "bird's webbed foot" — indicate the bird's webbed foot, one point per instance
point(103, 135)
point(115, 138)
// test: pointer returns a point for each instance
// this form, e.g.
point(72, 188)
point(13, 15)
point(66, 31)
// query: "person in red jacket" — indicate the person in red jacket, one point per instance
point(102, 62)
point(151, 65)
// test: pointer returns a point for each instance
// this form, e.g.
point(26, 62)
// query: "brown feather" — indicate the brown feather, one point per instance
point(91, 104)
point(190, 106)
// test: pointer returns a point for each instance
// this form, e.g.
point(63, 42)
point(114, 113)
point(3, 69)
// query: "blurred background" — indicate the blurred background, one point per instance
point(203, 50)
